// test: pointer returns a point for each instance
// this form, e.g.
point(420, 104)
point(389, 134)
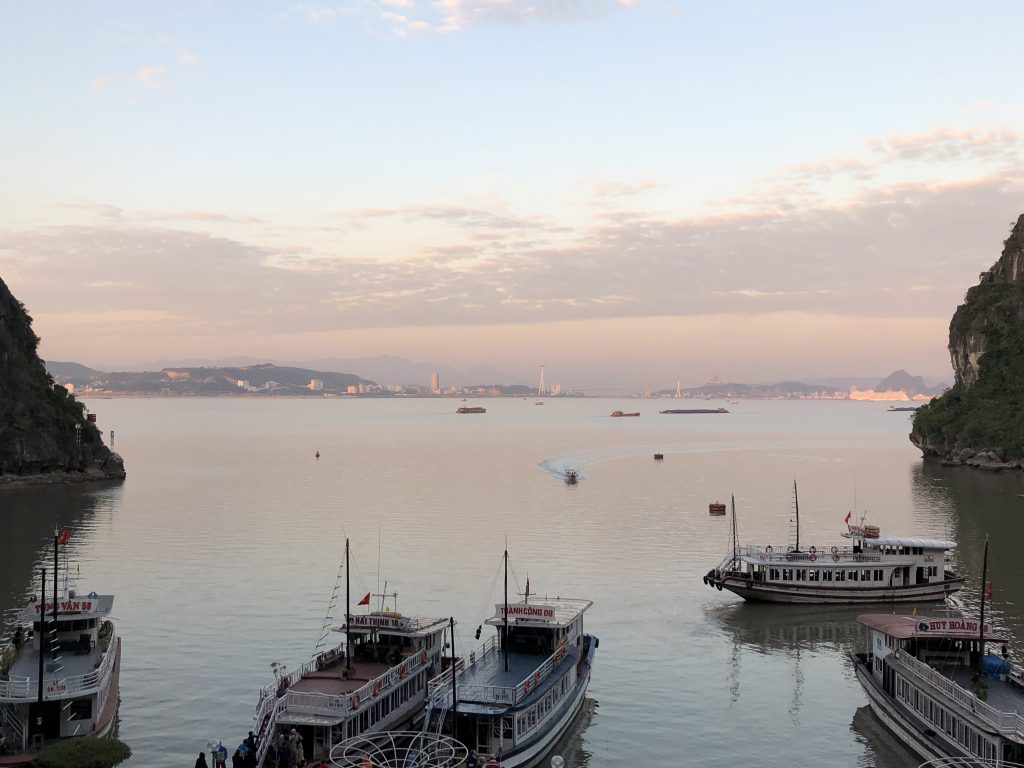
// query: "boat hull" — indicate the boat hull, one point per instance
point(534, 754)
point(905, 730)
point(800, 593)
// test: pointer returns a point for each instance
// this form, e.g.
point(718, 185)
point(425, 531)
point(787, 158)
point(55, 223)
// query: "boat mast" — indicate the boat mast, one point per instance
point(981, 624)
point(796, 505)
point(42, 634)
point(348, 615)
point(455, 698)
point(504, 643)
point(735, 541)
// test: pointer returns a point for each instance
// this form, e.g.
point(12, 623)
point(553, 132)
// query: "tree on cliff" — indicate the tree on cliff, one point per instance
point(43, 429)
point(980, 420)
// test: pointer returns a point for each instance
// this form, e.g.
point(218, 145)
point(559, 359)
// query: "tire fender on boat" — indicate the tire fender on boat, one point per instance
point(354, 701)
point(812, 557)
point(376, 687)
point(835, 550)
point(813, 550)
point(835, 557)
point(789, 556)
point(769, 549)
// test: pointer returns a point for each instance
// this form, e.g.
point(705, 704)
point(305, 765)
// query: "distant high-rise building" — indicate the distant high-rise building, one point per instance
point(679, 391)
point(435, 383)
point(540, 387)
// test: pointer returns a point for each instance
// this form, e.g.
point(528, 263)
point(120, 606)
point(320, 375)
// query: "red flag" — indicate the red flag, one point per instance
point(64, 537)
point(847, 518)
point(365, 600)
point(988, 592)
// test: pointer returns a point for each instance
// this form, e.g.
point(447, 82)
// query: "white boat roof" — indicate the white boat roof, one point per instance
point(80, 606)
point(900, 541)
point(544, 611)
point(394, 623)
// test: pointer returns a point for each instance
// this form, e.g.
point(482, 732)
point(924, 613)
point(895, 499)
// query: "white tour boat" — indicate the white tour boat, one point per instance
point(870, 569)
point(374, 680)
point(513, 697)
point(930, 682)
point(59, 674)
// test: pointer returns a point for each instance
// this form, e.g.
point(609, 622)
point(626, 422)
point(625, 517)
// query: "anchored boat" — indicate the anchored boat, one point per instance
point(870, 569)
point(513, 697)
point(59, 675)
point(374, 680)
point(932, 683)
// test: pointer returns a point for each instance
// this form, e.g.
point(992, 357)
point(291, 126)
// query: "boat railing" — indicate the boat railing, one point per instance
point(443, 682)
point(773, 554)
point(318, 662)
point(339, 704)
point(1004, 722)
point(62, 688)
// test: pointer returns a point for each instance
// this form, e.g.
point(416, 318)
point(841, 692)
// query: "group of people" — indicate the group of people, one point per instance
point(287, 751)
point(243, 757)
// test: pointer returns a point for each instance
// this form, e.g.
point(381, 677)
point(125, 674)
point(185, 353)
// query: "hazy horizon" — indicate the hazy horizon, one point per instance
point(627, 192)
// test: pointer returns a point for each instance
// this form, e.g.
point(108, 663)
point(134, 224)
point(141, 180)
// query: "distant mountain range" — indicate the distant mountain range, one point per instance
point(379, 374)
point(384, 369)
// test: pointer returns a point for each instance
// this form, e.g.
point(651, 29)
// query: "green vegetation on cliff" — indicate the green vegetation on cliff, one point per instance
point(43, 429)
point(982, 413)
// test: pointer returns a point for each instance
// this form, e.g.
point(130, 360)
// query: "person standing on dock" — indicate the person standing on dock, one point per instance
point(201, 761)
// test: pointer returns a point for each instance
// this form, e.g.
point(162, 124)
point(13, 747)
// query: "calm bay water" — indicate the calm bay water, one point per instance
point(223, 545)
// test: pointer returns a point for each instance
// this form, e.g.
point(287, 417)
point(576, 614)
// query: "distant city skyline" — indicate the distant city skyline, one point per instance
point(626, 192)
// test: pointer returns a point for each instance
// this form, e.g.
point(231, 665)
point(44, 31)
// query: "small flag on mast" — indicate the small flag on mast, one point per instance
point(365, 600)
point(64, 537)
point(847, 518)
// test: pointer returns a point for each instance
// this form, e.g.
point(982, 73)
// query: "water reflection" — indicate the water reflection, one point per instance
point(882, 749)
point(28, 521)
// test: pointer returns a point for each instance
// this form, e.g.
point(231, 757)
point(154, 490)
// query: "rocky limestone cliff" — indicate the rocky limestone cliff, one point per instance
point(980, 420)
point(40, 438)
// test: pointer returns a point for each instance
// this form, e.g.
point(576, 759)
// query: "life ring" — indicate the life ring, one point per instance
point(812, 557)
point(769, 549)
point(526, 685)
point(896, 654)
point(354, 701)
point(472, 657)
point(423, 656)
point(376, 687)
point(835, 550)
point(536, 678)
point(835, 557)
point(402, 672)
point(813, 550)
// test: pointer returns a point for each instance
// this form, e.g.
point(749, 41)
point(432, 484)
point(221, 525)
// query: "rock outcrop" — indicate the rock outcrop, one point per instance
point(980, 420)
point(45, 434)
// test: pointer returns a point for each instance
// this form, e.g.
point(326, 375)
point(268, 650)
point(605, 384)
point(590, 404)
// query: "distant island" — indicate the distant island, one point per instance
point(269, 380)
point(979, 422)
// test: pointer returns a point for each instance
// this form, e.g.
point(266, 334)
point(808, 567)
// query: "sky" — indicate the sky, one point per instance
point(629, 192)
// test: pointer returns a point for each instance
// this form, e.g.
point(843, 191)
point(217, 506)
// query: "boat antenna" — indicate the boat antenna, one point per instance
point(981, 624)
point(796, 506)
point(504, 643)
point(378, 567)
point(348, 614)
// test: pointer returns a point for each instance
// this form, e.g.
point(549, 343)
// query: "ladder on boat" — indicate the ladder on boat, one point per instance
point(12, 726)
point(56, 665)
point(266, 733)
point(325, 630)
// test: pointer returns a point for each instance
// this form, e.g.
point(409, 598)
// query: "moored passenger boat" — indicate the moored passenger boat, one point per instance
point(870, 569)
point(931, 683)
point(513, 697)
point(374, 680)
point(59, 675)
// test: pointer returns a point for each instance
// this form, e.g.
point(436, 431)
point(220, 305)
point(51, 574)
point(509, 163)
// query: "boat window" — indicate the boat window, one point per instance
point(826, 575)
point(801, 574)
point(812, 575)
point(865, 575)
point(879, 576)
point(773, 574)
point(852, 576)
point(787, 574)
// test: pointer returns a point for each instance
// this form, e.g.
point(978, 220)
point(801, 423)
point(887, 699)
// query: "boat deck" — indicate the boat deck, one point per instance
point(1003, 695)
point(74, 665)
point(331, 681)
point(490, 671)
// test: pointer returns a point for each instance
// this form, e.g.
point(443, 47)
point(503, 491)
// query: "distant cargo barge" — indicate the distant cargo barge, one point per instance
point(473, 409)
point(696, 410)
